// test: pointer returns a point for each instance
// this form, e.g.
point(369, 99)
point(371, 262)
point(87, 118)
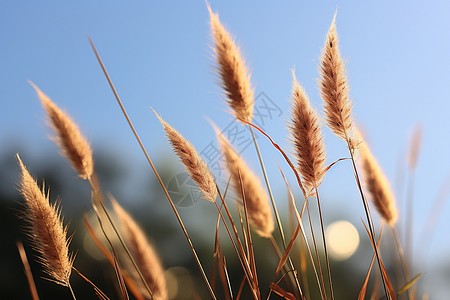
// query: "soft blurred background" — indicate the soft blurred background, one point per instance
point(159, 56)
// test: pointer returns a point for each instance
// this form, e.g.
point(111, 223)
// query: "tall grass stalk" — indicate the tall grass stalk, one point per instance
point(191, 246)
point(277, 216)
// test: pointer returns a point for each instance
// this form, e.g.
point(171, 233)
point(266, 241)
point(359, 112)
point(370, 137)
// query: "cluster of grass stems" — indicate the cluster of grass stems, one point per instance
point(138, 269)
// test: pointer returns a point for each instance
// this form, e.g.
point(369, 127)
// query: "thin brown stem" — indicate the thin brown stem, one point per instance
point(330, 281)
point(277, 251)
point(113, 251)
point(116, 231)
point(368, 217)
point(322, 284)
point(242, 259)
point(205, 278)
point(277, 216)
point(27, 269)
point(71, 291)
point(402, 259)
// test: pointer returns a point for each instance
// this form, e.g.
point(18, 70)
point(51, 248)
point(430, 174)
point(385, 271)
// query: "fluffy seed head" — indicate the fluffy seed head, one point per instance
point(334, 87)
point(247, 183)
point(234, 75)
point(68, 137)
point(45, 228)
point(145, 256)
point(195, 166)
point(307, 138)
point(376, 183)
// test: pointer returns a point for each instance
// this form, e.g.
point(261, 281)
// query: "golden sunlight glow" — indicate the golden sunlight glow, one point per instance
point(342, 240)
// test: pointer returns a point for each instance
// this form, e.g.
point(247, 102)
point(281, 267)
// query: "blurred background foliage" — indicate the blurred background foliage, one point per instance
point(139, 193)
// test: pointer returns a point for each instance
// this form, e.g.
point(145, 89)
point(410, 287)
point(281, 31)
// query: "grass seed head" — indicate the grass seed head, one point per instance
point(68, 137)
point(45, 228)
point(233, 73)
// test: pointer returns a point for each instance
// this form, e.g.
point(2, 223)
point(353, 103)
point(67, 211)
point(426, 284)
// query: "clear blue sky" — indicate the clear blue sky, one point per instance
point(159, 56)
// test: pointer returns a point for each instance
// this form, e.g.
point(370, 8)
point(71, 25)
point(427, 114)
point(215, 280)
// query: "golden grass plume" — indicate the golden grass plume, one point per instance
point(247, 183)
point(144, 255)
point(307, 138)
point(376, 182)
point(232, 71)
point(195, 166)
point(45, 228)
point(334, 87)
point(68, 137)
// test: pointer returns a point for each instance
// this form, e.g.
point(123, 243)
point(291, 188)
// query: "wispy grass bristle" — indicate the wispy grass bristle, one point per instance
point(376, 183)
point(195, 166)
point(307, 138)
point(247, 183)
point(68, 137)
point(334, 87)
point(47, 233)
point(414, 147)
point(234, 75)
point(144, 255)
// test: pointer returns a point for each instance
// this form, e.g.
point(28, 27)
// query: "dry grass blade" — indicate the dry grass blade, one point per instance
point(129, 282)
point(307, 139)
point(98, 292)
point(288, 250)
point(291, 165)
point(46, 230)
point(232, 71)
point(384, 273)
point(334, 87)
point(299, 222)
point(409, 284)
point(376, 183)
point(144, 255)
point(239, 248)
point(259, 211)
point(219, 260)
point(362, 292)
point(280, 292)
point(195, 166)
point(251, 254)
point(27, 269)
point(68, 137)
point(191, 246)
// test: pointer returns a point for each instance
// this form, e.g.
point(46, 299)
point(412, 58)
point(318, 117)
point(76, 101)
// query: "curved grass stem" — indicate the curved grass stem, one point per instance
point(330, 281)
point(402, 259)
point(71, 291)
point(369, 218)
point(191, 246)
point(277, 216)
point(119, 236)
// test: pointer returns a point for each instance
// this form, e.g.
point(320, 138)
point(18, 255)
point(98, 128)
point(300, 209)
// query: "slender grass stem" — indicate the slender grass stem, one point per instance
point(322, 284)
point(369, 218)
point(409, 218)
point(116, 231)
point(27, 270)
point(330, 281)
point(113, 251)
point(71, 291)
point(402, 259)
point(277, 216)
point(299, 217)
point(243, 260)
point(205, 278)
point(279, 255)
